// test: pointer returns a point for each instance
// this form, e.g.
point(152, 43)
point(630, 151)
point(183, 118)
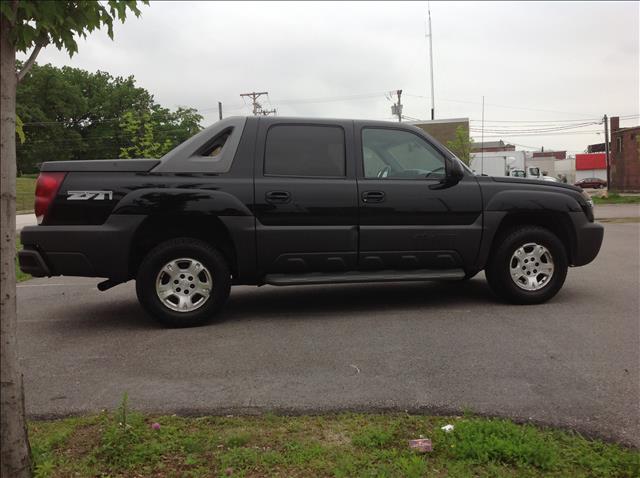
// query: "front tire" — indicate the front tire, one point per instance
point(183, 282)
point(528, 266)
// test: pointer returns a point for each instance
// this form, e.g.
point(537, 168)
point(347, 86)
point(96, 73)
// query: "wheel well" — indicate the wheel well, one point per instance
point(157, 229)
point(558, 223)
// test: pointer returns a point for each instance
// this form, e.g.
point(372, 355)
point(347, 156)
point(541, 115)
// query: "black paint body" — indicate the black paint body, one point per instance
point(292, 225)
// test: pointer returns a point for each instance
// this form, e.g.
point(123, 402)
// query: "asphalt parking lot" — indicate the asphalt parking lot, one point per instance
point(422, 347)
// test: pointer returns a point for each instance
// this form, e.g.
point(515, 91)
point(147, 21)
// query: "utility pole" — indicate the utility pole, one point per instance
point(606, 149)
point(219, 109)
point(482, 141)
point(267, 112)
point(396, 108)
point(433, 100)
point(257, 107)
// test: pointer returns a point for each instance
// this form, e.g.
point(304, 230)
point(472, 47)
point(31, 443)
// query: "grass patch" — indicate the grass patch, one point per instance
point(343, 445)
point(615, 198)
point(373, 437)
point(20, 276)
point(25, 193)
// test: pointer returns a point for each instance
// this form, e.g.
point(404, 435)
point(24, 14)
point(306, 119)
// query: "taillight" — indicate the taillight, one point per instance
point(47, 186)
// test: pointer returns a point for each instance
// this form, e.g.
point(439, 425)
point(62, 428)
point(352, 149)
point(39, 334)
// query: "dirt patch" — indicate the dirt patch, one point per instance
point(333, 437)
point(84, 439)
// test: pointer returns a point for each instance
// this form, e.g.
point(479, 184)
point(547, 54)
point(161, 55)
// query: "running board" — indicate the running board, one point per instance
point(353, 277)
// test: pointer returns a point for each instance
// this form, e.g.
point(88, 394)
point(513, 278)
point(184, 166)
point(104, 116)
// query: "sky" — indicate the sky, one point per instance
point(539, 66)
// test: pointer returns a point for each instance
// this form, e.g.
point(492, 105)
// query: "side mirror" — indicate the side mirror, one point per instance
point(455, 172)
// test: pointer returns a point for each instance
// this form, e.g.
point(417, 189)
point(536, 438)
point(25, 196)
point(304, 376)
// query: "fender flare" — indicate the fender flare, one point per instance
point(532, 201)
point(511, 203)
point(199, 205)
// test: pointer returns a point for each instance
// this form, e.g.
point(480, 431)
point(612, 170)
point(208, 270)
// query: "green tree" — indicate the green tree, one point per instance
point(462, 145)
point(151, 134)
point(140, 131)
point(70, 113)
point(177, 126)
point(28, 25)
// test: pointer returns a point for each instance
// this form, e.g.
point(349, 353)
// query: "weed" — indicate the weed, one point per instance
point(124, 444)
point(502, 441)
point(373, 437)
point(238, 440)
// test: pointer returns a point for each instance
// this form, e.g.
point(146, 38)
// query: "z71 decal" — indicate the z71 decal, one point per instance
point(88, 195)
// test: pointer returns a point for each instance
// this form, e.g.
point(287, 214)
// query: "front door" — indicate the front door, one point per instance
point(306, 201)
point(408, 220)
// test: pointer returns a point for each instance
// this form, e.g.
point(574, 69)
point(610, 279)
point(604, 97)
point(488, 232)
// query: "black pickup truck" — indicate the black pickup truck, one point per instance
point(291, 201)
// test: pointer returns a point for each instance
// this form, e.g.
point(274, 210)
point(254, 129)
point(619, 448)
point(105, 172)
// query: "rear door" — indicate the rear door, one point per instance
point(408, 218)
point(306, 201)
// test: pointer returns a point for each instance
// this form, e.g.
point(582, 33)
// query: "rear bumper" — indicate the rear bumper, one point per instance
point(88, 251)
point(32, 262)
point(589, 236)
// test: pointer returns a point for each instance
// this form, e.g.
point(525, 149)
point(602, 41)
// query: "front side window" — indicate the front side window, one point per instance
point(396, 154)
point(305, 150)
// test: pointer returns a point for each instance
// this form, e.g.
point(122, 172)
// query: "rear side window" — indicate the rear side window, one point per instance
point(301, 150)
point(214, 148)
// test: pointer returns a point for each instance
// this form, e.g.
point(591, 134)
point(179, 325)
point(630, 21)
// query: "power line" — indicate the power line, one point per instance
point(37, 123)
point(506, 106)
point(295, 101)
point(537, 130)
point(159, 133)
point(622, 117)
point(524, 145)
point(495, 135)
point(535, 121)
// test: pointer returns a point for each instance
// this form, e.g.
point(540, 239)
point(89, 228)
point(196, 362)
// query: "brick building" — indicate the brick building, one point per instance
point(597, 148)
point(444, 130)
point(492, 147)
point(550, 154)
point(624, 157)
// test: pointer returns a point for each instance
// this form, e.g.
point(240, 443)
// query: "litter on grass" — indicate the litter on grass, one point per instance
point(421, 445)
point(447, 428)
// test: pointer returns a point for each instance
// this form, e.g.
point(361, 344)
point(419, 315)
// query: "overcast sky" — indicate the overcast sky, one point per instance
point(534, 62)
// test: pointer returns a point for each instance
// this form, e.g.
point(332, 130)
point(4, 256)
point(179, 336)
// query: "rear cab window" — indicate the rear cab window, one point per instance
point(305, 151)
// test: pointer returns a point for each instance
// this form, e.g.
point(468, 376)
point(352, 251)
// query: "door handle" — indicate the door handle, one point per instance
point(279, 197)
point(372, 196)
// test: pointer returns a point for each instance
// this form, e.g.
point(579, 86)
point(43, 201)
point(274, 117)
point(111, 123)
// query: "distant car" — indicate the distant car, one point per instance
point(592, 183)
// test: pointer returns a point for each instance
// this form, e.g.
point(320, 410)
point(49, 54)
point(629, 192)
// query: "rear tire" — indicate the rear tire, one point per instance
point(528, 266)
point(183, 282)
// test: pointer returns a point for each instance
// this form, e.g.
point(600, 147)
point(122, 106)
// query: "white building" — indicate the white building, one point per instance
point(498, 163)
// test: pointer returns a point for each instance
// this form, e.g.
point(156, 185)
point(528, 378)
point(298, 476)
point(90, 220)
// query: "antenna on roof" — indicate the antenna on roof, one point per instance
point(430, 35)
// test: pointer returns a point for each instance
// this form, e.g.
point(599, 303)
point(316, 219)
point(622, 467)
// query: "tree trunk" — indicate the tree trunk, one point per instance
point(14, 447)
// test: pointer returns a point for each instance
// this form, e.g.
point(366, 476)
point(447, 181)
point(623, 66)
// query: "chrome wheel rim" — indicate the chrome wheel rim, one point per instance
point(531, 266)
point(184, 285)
